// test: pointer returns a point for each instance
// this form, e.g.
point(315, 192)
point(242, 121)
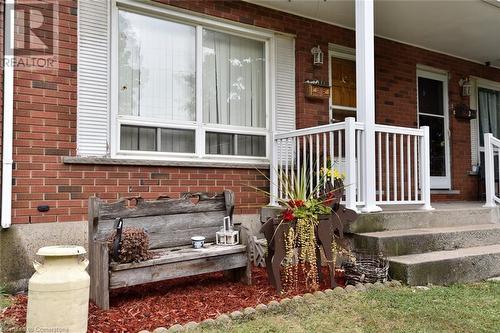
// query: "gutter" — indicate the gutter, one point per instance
point(8, 113)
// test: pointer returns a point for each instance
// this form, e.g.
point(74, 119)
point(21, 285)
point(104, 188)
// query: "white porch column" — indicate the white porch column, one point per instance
point(365, 99)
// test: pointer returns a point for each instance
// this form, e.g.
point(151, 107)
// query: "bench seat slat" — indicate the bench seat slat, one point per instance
point(140, 275)
point(172, 255)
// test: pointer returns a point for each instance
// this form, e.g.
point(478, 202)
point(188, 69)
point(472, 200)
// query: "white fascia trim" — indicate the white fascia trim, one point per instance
point(8, 114)
point(376, 35)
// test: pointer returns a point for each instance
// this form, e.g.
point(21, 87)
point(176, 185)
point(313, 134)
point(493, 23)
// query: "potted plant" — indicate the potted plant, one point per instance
point(311, 219)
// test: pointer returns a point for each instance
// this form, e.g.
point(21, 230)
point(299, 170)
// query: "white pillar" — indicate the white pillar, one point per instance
point(365, 98)
point(489, 173)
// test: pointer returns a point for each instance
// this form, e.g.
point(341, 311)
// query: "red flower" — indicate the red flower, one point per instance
point(288, 215)
point(296, 203)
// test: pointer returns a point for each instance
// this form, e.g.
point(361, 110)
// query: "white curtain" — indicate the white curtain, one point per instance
point(156, 68)
point(233, 91)
point(489, 109)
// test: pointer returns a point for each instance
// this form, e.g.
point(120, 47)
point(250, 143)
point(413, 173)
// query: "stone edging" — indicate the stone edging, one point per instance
point(271, 306)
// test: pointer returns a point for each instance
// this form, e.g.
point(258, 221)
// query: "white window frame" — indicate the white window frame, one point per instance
point(486, 84)
point(341, 52)
point(200, 128)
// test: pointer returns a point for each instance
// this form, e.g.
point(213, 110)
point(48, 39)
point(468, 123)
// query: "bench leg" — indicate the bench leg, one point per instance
point(243, 274)
point(99, 274)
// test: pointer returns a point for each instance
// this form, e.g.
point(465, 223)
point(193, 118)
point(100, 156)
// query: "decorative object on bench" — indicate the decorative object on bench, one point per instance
point(307, 224)
point(198, 242)
point(170, 224)
point(128, 244)
point(367, 268)
point(257, 249)
point(227, 235)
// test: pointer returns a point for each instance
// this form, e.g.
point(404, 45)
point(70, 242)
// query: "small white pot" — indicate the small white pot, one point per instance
point(198, 241)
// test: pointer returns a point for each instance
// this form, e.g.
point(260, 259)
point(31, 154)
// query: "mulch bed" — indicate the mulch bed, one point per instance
point(171, 302)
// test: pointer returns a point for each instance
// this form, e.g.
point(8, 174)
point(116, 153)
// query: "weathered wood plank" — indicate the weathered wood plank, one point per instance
point(184, 205)
point(142, 275)
point(164, 256)
point(99, 274)
point(170, 230)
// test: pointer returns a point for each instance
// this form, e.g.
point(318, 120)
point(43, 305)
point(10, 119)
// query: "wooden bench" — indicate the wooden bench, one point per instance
point(170, 224)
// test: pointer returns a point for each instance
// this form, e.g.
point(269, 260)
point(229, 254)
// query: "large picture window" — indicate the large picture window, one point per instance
point(158, 95)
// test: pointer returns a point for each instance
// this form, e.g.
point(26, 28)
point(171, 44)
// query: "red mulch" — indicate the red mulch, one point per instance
point(171, 302)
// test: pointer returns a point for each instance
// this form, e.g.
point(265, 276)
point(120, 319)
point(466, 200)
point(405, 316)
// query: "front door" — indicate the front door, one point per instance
point(433, 112)
point(343, 81)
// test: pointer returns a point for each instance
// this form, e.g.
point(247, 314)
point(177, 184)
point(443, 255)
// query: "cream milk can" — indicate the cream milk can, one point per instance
point(58, 292)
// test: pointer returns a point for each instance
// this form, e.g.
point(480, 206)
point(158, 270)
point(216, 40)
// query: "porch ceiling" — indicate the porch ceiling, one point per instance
point(465, 28)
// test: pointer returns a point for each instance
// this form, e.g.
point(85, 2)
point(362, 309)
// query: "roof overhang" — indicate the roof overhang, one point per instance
point(468, 29)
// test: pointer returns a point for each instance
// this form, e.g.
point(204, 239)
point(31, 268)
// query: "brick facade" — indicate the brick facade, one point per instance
point(45, 119)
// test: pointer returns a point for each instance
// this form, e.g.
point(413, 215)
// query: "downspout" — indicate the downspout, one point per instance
point(8, 113)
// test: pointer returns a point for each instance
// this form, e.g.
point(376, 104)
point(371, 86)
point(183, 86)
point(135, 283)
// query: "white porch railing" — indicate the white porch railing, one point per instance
point(491, 165)
point(402, 161)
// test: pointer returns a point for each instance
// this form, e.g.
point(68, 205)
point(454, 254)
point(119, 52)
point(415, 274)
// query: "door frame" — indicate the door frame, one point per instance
point(443, 183)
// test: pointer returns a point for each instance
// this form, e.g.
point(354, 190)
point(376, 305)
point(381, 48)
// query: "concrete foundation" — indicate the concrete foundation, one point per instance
point(20, 242)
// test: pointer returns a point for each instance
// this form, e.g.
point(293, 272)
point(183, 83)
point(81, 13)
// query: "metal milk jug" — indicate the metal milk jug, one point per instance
point(58, 292)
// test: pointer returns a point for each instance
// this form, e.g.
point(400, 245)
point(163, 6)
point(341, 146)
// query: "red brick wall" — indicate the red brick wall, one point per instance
point(45, 120)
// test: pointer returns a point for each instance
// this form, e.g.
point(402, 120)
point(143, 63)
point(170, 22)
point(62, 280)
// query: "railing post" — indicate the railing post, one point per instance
point(489, 172)
point(425, 167)
point(273, 173)
point(350, 156)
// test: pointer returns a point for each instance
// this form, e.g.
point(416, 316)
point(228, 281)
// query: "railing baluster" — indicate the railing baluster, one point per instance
point(324, 156)
point(304, 160)
point(311, 167)
point(379, 164)
point(332, 151)
point(415, 166)
point(299, 175)
point(359, 155)
point(287, 157)
point(408, 164)
point(317, 165)
point(395, 166)
point(387, 169)
point(402, 166)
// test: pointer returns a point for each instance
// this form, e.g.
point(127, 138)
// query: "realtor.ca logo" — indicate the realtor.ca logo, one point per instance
point(31, 34)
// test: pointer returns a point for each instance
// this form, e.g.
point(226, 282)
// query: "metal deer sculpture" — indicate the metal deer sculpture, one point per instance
point(274, 231)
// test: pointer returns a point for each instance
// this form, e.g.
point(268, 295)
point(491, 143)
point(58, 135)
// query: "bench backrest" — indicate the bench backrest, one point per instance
point(169, 222)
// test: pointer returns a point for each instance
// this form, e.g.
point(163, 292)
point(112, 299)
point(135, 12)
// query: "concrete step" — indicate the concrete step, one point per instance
point(411, 241)
point(444, 215)
point(446, 267)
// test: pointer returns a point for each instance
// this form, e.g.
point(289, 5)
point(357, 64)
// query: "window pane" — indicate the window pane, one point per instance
point(235, 144)
point(177, 141)
point(430, 96)
point(156, 68)
point(138, 138)
point(489, 113)
point(437, 138)
point(233, 80)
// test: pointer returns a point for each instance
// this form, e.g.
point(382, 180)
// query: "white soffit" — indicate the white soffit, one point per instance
point(468, 29)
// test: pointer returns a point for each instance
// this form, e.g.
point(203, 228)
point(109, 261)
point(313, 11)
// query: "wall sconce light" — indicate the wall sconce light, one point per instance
point(466, 86)
point(317, 56)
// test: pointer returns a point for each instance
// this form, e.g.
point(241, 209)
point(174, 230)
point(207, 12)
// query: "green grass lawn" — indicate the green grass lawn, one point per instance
point(459, 308)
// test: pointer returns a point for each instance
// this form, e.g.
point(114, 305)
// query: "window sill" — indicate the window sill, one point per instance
point(152, 162)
